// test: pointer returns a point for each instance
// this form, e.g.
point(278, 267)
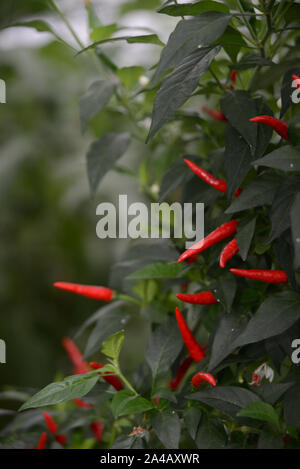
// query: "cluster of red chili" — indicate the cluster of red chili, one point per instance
point(196, 351)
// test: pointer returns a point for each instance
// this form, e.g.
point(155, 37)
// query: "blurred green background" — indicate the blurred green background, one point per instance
point(48, 220)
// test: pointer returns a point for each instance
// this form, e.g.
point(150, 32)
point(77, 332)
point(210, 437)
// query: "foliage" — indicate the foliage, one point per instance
point(253, 322)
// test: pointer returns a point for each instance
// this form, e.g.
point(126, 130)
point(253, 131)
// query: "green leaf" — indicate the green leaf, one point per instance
point(292, 406)
point(295, 225)
point(244, 236)
point(103, 32)
point(103, 154)
point(112, 346)
point(177, 87)
point(251, 61)
point(211, 434)
point(125, 402)
point(104, 312)
point(237, 159)
point(142, 39)
point(238, 107)
point(70, 388)
point(177, 174)
point(286, 158)
point(281, 206)
point(260, 411)
point(192, 418)
point(158, 270)
point(129, 75)
point(227, 330)
point(188, 35)
point(40, 26)
point(191, 9)
point(228, 399)
point(95, 99)
point(167, 428)
point(231, 41)
point(163, 347)
point(272, 392)
point(110, 322)
point(270, 440)
point(260, 191)
point(277, 313)
point(226, 290)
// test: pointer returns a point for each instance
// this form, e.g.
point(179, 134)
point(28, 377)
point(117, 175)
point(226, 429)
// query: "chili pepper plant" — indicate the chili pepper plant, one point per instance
point(215, 120)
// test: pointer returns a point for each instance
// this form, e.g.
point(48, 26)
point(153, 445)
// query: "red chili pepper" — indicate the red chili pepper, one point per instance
point(97, 429)
point(219, 184)
point(42, 441)
point(61, 439)
point(82, 404)
point(192, 259)
point(268, 276)
point(228, 252)
point(278, 125)
point(182, 370)
point(199, 378)
point(221, 233)
point(216, 115)
point(233, 75)
point(89, 291)
point(52, 426)
point(295, 77)
point(113, 380)
point(195, 350)
point(80, 366)
point(204, 298)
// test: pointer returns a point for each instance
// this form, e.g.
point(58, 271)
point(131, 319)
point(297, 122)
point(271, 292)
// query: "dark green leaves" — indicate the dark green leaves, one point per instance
point(179, 85)
point(158, 270)
point(260, 411)
point(244, 237)
point(295, 225)
point(188, 35)
point(143, 39)
point(125, 402)
point(260, 191)
point(102, 156)
point(95, 99)
point(282, 203)
point(167, 427)
point(55, 393)
point(227, 399)
point(191, 9)
point(275, 315)
point(163, 347)
point(286, 158)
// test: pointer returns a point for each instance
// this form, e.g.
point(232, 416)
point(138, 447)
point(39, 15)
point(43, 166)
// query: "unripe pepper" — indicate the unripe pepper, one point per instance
point(278, 125)
point(218, 184)
point(218, 235)
point(42, 441)
point(204, 298)
point(200, 378)
point(228, 252)
point(89, 291)
point(80, 366)
point(195, 350)
point(268, 276)
point(113, 380)
point(216, 115)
